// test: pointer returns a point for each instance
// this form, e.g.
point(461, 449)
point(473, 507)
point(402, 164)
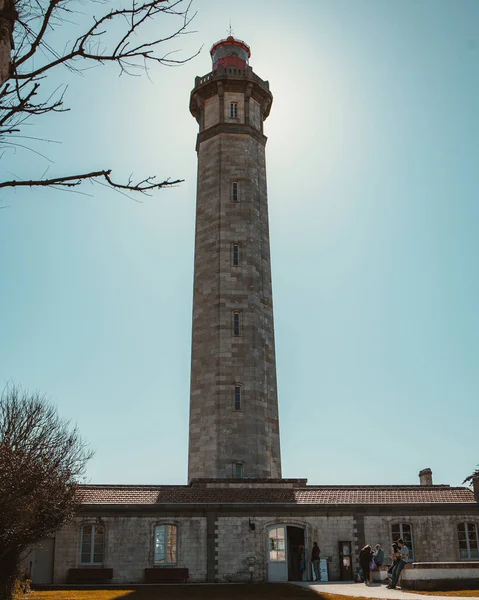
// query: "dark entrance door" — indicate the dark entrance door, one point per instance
point(345, 561)
point(295, 548)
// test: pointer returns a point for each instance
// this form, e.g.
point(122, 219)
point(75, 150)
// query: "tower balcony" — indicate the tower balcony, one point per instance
point(230, 81)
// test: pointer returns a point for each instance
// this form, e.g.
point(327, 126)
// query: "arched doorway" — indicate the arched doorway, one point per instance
point(283, 552)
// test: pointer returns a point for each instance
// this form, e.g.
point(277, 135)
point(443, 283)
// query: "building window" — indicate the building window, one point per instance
point(165, 544)
point(235, 255)
point(238, 471)
point(237, 395)
point(233, 110)
point(467, 534)
point(276, 545)
point(404, 531)
point(92, 544)
point(234, 191)
point(237, 323)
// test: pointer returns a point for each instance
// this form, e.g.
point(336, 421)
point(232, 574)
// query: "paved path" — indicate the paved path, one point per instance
point(375, 590)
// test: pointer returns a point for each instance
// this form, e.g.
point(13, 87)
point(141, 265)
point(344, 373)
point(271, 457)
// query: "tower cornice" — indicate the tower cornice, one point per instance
point(235, 128)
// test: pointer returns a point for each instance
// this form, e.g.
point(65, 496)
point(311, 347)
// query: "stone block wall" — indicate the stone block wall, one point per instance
point(255, 114)
point(129, 546)
point(234, 97)
point(212, 111)
point(218, 545)
point(236, 543)
point(220, 436)
point(434, 536)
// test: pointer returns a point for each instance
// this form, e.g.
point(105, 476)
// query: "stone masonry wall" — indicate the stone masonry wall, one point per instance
point(434, 536)
point(232, 150)
point(236, 542)
point(234, 97)
point(219, 435)
point(129, 546)
point(129, 542)
point(255, 113)
point(212, 115)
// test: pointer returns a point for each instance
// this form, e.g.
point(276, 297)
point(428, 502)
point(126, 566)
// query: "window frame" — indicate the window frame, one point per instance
point(467, 539)
point(235, 470)
point(93, 550)
point(407, 537)
point(234, 109)
point(234, 191)
point(236, 315)
point(237, 397)
point(235, 255)
point(157, 562)
point(277, 544)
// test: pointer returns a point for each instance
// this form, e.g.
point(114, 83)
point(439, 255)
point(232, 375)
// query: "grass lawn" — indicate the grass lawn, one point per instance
point(259, 591)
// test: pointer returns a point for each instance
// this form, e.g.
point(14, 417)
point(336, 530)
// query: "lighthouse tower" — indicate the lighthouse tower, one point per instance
point(234, 426)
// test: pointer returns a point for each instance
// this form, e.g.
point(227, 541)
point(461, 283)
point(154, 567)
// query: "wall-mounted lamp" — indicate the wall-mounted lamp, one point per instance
point(252, 525)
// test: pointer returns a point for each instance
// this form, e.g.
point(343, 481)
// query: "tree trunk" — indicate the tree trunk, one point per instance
point(8, 574)
point(7, 21)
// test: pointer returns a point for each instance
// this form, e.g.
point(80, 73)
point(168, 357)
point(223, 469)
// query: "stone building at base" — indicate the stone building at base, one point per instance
point(231, 531)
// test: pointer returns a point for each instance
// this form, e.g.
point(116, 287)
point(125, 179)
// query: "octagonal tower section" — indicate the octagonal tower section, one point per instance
point(234, 423)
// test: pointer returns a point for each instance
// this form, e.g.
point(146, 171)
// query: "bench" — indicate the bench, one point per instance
point(90, 575)
point(166, 575)
point(460, 575)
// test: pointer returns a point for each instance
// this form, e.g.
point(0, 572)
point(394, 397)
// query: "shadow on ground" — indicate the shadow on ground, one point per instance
point(255, 591)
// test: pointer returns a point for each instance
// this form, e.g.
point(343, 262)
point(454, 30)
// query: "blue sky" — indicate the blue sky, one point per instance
point(373, 180)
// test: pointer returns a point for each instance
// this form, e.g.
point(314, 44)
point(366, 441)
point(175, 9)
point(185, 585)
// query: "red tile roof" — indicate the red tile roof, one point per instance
point(319, 495)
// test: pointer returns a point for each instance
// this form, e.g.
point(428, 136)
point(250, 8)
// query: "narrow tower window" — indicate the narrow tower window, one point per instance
point(234, 191)
point(238, 471)
point(233, 110)
point(236, 322)
point(237, 393)
point(235, 258)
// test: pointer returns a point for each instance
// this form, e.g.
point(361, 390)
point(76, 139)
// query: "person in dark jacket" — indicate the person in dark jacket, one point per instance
point(316, 560)
point(394, 558)
point(365, 557)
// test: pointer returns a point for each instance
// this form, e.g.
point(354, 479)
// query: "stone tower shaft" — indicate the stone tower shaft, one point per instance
point(234, 425)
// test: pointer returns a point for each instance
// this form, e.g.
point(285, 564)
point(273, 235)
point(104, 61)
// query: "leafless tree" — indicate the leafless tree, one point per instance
point(31, 49)
point(42, 460)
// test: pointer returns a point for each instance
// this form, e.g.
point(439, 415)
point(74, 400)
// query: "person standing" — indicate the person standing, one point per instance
point(365, 557)
point(394, 558)
point(403, 552)
point(316, 560)
point(379, 555)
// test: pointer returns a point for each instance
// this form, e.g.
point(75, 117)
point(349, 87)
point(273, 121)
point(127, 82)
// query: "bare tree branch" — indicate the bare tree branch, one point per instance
point(144, 186)
point(114, 37)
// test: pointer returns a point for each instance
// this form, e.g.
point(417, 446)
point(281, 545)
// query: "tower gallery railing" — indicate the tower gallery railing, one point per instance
point(231, 72)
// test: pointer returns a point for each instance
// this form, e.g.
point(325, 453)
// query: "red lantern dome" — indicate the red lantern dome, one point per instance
point(230, 53)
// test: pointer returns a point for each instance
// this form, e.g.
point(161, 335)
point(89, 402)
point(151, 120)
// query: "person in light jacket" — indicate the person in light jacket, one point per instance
point(379, 555)
point(400, 564)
